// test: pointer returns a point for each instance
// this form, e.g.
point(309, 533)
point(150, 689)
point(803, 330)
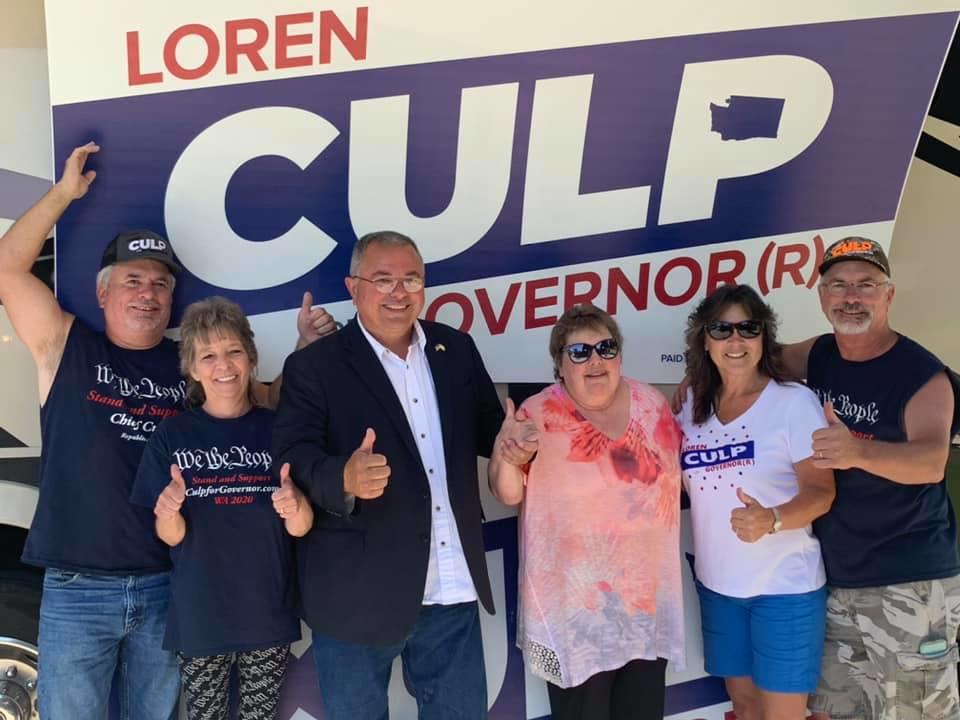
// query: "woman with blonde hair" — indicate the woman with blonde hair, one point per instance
point(209, 475)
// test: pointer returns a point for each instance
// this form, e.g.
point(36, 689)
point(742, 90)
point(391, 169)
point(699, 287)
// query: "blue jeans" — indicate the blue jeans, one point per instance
point(95, 626)
point(442, 663)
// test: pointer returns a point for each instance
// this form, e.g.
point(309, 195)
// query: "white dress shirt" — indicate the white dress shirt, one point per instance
point(448, 577)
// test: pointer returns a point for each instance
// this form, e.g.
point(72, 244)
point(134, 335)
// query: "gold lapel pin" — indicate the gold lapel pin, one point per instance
point(440, 347)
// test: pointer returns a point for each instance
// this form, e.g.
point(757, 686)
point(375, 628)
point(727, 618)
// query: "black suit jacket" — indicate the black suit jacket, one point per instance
point(362, 573)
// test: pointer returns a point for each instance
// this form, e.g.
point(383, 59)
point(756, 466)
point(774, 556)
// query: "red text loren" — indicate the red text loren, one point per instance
point(288, 41)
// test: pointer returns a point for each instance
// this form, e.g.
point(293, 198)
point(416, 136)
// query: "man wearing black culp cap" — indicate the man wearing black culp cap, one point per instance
point(139, 245)
point(890, 541)
point(106, 584)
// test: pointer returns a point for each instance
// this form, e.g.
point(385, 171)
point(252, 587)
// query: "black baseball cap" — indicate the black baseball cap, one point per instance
point(139, 245)
point(855, 248)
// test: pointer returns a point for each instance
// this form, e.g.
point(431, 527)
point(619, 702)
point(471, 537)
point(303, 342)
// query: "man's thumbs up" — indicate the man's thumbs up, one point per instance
point(369, 438)
point(835, 446)
point(366, 473)
point(173, 495)
point(312, 322)
point(831, 414)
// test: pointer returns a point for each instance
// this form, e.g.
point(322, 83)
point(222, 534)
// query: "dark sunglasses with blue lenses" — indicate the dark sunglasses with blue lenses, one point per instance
point(580, 352)
point(747, 329)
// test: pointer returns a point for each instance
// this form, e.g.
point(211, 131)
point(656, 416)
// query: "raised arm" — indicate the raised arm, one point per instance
point(34, 312)
point(313, 323)
point(795, 356)
point(920, 460)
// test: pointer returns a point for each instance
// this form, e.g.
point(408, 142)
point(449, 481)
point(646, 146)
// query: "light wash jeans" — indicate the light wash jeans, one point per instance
point(93, 627)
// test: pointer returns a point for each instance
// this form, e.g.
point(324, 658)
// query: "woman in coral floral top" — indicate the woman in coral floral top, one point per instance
point(594, 461)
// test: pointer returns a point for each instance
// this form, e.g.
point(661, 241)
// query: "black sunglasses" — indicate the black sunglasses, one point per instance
point(747, 329)
point(580, 352)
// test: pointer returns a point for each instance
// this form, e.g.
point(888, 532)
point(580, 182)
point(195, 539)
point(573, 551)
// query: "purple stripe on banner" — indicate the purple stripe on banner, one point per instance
point(19, 191)
point(882, 72)
point(702, 692)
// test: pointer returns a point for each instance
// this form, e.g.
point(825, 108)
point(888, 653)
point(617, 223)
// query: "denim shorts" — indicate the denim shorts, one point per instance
point(776, 640)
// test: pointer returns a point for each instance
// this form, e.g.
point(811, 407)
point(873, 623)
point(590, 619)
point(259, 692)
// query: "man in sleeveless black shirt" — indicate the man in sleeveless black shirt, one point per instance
point(890, 541)
point(106, 583)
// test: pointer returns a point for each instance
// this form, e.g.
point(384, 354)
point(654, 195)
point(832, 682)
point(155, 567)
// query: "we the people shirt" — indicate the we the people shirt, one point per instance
point(105, 403)
point(232, 584)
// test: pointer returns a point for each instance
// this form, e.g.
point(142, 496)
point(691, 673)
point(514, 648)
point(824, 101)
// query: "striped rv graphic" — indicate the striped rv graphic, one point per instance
point(25, 166)
point(25, 162)
point(19, 445)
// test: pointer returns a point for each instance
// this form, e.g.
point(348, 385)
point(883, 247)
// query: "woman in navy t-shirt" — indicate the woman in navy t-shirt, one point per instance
point(208, 474)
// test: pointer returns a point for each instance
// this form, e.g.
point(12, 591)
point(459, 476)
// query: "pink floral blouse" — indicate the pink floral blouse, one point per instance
point(600, 580)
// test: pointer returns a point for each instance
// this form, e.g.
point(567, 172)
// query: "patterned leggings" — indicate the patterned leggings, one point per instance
point(206, 683)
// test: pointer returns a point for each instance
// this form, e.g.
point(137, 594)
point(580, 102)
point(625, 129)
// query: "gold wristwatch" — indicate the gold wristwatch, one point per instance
point(777, 522)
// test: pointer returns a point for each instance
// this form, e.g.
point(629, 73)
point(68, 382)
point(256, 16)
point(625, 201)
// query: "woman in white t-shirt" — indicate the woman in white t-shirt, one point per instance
point(754, 491)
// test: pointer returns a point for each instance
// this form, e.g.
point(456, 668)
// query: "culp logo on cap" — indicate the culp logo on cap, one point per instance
point(141, 244)
point(850, 246)
point(855, 248)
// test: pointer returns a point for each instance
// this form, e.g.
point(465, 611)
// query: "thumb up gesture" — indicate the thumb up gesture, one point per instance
point(366, 473)
point(835, 446)
point(312, 322)
point(518, 439)
point(753, 520)
point(171, 499)
point(286, 500)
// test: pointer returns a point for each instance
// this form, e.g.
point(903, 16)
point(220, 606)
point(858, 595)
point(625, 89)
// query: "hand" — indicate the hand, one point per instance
point(171, 499)
point(312, 322)
point(835, 446)
point(752, 521)
point(287, 499)
point(74, 182)
point(680, 394)
point(518, 439)
point(366, 472)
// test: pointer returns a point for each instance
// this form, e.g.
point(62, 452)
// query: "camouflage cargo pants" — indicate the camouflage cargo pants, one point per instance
point(891, 653)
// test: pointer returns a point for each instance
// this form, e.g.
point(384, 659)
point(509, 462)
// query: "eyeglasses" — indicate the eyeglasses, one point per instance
point(865, 289)
point(387, 285)
point(580, 352)
point(747, 329)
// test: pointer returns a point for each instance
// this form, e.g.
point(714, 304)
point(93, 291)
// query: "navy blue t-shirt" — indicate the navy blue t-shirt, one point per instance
point(232, 584)
point(104, 404)
point(880, 532)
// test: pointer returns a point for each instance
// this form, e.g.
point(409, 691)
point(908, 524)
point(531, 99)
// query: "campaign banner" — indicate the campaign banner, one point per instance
point(634, 155)
point(263, 138)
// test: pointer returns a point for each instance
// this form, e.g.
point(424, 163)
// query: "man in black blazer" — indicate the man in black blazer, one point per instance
point(382, 424)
